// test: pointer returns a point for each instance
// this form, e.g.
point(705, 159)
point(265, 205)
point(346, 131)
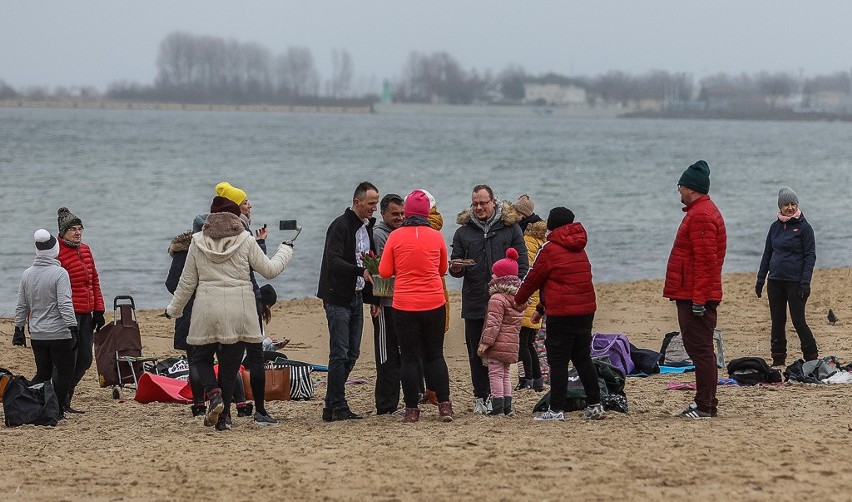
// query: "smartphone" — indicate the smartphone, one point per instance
point(287, 225)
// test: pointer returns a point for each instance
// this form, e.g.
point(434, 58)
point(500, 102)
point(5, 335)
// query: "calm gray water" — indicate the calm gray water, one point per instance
point(137, 178)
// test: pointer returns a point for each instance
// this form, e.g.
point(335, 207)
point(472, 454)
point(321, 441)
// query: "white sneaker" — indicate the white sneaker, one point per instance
point(480, 407)
point(594, 412)
point(488, 404)
point(550, 416)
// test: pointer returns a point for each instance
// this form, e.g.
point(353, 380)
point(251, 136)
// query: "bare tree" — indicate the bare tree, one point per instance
point(296, 74)
point(6, 91)
point(776, 86)
point(615, 86)
point(511, 82)
point(341, 73)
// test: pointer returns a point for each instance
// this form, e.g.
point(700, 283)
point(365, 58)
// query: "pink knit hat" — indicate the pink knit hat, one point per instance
point(508, 265)
point(417, 204)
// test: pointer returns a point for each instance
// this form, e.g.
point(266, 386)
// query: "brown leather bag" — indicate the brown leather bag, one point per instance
point(4, 380)
point(277, 386)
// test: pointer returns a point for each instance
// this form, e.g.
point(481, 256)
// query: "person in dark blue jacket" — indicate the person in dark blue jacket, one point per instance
point(178, 250)
point(788, 259)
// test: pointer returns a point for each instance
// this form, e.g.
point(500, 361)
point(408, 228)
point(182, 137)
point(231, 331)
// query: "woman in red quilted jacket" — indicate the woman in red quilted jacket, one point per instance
point(77, 259)
point(563, 276)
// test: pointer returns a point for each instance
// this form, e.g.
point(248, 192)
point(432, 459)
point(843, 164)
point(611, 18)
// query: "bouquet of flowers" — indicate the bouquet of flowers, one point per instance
point(371, 262)
point(381, 286)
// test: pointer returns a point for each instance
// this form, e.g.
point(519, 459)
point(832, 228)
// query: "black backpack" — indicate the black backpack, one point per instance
point(752, 371)
point(610, 382)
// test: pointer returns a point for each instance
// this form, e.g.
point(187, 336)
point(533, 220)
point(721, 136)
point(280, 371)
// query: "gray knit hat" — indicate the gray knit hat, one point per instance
point(785, 196)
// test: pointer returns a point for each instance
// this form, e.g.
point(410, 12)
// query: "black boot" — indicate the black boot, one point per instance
point(496, 406)
point(507, 406)
point(199, 410)
point(68, 408)
point(779, 359)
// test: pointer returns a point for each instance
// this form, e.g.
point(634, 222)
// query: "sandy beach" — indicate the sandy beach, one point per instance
point(769, 442)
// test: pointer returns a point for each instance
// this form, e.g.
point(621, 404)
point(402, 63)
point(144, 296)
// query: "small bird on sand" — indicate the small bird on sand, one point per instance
point(831, 317)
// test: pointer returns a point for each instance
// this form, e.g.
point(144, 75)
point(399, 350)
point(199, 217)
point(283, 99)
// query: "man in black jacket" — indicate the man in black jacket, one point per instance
point(342, 280)
point(486, 231)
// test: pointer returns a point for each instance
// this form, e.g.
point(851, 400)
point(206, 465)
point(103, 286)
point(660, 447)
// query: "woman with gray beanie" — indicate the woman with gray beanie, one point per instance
point(788, 260)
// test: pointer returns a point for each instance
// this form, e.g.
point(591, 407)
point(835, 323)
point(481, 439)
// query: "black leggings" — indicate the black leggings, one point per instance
point(570, 338)
point(254, 361)
point(54, 361)
point(84, 354)
point(527, 354)
point(195, 384)
point(781, 294)
point(478, 371)
point(422, 333)
point(229, 365)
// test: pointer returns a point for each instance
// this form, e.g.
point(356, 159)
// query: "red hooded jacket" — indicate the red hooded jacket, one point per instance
point(85, 284)
point(694, 271)
point(563, 274)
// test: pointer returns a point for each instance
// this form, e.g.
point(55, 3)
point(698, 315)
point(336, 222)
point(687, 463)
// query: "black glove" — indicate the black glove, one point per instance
point(805, 291)
point(75, 337)
point(758, 289)
point(19, 338)
point(98, 319)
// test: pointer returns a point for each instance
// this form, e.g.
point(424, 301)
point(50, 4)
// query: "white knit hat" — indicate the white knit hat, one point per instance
point(46, 244)
point(430, 197)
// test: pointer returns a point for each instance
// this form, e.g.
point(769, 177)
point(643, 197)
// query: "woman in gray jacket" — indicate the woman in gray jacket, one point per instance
point(44, 302)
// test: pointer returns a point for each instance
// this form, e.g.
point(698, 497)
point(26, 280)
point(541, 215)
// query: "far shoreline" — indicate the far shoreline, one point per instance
point(439, 110)
point(105, 104)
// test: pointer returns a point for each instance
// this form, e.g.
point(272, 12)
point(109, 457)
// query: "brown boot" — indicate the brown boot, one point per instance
point(431, 397)
point(779, 359)
point(412, 415)
point(812, 356)
point(445, 411)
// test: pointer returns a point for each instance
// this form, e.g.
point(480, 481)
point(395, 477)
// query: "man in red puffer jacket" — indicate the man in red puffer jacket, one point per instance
point(694, 282)
point(77, 259)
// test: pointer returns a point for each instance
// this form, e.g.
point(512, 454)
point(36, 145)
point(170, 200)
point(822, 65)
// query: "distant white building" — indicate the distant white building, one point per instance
point(554, 94)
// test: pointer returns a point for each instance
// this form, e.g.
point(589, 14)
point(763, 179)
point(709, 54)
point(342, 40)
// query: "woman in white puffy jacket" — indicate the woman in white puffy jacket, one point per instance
point(224, 316)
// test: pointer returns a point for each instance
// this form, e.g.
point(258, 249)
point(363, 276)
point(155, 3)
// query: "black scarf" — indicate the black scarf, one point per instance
point(416, 221)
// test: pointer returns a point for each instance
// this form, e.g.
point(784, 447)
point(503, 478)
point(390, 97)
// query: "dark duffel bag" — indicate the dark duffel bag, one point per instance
point(24, 403)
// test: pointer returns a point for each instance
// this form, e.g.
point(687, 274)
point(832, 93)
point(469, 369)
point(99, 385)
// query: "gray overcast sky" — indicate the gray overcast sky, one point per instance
point(95, 42)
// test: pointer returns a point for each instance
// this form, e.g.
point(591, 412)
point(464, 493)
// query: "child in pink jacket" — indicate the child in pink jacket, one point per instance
point(499, 342)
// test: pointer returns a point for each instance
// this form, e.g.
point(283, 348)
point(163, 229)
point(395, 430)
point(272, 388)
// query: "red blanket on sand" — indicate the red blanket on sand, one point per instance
point(161, 389)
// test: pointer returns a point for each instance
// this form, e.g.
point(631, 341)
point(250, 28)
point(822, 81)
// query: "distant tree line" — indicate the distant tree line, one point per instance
point(206, 69)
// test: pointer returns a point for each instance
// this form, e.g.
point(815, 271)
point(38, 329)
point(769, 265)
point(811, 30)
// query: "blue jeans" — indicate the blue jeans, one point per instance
point(344, 344)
